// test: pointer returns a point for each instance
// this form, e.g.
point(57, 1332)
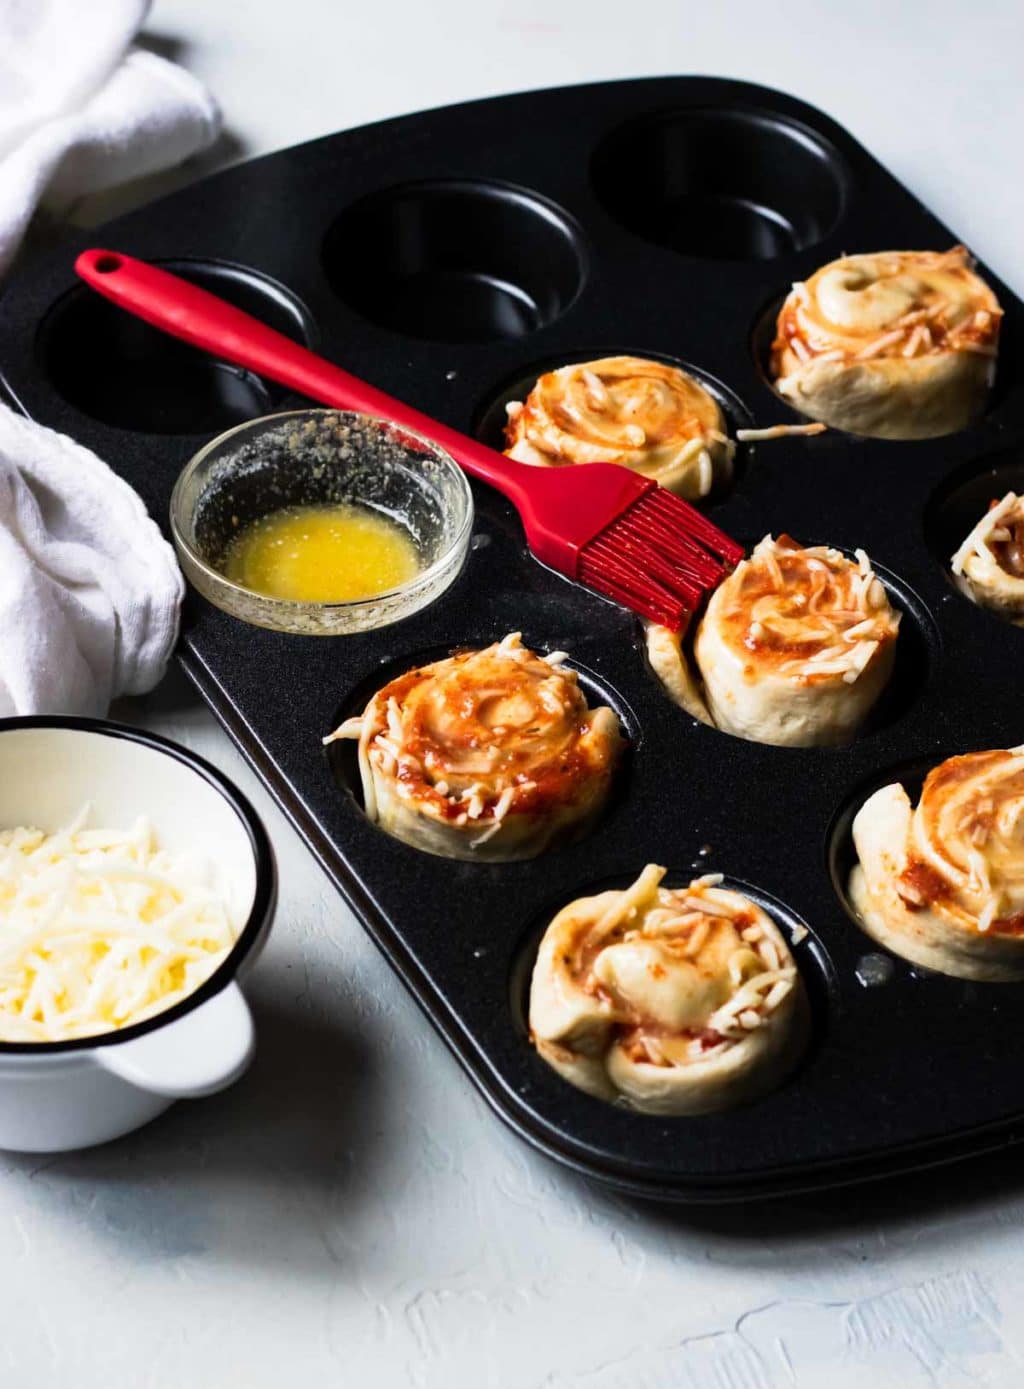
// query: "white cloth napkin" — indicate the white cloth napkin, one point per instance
point(89, 589)
point(80, 111)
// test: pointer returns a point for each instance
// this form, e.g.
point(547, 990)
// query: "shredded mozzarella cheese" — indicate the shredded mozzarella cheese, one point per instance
point(100, 929)
point(779, 431)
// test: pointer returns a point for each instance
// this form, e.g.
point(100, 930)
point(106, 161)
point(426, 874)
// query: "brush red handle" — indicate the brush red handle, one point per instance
point(610, 528)
point(196, 316)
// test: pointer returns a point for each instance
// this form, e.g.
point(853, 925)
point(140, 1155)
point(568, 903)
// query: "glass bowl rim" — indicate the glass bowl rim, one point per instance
point(423, 577)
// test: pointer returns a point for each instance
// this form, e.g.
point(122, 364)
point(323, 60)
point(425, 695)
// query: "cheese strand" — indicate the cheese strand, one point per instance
point(99, 929)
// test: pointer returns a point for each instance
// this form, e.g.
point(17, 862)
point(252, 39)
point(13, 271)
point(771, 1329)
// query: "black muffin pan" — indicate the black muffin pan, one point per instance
point(449, 257)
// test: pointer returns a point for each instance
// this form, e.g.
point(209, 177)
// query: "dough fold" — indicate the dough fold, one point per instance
point(794, 649)
point(646, 415)
point(895, 344)
point(671, 1000)
point(489, 755)
point(942, 883)
point(989, 565)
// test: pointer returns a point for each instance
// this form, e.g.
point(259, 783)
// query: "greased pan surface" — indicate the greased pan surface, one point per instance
point(664, 217)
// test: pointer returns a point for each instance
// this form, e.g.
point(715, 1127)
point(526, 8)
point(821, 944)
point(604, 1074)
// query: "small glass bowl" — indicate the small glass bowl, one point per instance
point(311, 457)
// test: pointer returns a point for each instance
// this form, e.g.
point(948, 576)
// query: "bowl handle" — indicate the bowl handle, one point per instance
point(200, 1053)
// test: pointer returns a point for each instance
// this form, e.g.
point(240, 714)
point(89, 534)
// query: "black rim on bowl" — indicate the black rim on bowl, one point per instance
point(264, 897)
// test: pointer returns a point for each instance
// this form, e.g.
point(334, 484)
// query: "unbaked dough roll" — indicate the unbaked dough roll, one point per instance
point(989, 565)
point(489, 755)
point(674, 1000)
point(942, 883)
point(649, 416)
point(896, 344)
point(794, 649)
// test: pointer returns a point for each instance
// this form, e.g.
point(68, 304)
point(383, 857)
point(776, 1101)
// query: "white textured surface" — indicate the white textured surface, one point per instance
point(351, 1213)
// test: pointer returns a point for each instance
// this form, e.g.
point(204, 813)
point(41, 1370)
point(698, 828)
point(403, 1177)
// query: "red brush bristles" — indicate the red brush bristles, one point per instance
point(680, 519)
point(660, 557)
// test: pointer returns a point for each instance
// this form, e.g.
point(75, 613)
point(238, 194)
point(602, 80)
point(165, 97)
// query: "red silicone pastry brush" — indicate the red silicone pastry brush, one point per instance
point(600, 524)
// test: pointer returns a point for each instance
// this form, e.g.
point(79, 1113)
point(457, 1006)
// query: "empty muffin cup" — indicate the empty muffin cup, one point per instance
point(316, 459)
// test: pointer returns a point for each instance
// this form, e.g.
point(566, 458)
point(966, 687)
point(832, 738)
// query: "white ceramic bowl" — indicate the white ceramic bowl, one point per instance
point(60, 1095)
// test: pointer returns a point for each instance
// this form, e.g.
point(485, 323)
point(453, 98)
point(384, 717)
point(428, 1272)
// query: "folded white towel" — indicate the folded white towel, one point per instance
point(80, 112)
point(89, 589)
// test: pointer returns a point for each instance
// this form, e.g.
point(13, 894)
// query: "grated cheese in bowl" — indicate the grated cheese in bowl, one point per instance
point(99, 929)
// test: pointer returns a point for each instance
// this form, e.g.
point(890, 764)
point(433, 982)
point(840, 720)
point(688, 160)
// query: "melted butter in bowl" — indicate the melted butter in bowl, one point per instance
point(322, 554)
point(321, 522)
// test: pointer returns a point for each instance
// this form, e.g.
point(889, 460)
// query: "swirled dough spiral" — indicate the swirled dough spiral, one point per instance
point(895, 344)
point(649, 416)
point(489, 755)
point(794, 649)
point(674, 1000)
point(942, 883)
point(989, 565)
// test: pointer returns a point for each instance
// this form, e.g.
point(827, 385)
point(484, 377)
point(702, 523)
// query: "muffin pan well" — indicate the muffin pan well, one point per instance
point(917, 649)
point(720, 182)
point(443, 257)
point(131, 376)
point(491, 421)
point(961, 500)
point(455, 261)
